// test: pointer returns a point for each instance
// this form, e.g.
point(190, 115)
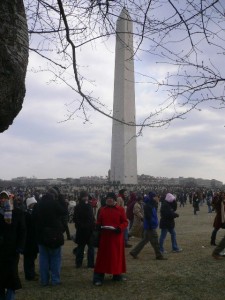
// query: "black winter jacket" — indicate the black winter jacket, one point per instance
point(31, 245)
point(12, 240)
point(48, 214)
point(167, 213)
point(84, 222)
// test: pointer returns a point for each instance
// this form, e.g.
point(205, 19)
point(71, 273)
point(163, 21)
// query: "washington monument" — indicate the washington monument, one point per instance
point(124, 149)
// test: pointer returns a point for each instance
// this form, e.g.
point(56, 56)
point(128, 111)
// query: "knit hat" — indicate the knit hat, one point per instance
point(30, 201)
point(170, 198)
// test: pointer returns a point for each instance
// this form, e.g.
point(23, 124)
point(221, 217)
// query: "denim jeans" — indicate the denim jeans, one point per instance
point(163, 237)
point(130, 224)
point(209, 208)
point(126, 237)
point(49, 265)
point(8, 294)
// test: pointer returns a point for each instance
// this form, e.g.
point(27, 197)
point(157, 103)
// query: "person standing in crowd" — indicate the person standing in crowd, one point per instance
point(167, 223)
point(218, 204)
point(31, 246)
point(209, 197)
point(18, 201)
point(122, 200)
point(93, 200)
point(137, 228)
point(196, 202)
point(182, 198)
point(150, 226)
point(130, 206)
point(12, 241)
point(65, 204)
point(71, 208)
point(110, 259)
point(84, 223)
point(49, 213)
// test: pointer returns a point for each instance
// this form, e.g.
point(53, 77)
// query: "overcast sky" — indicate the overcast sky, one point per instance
point(40, 144)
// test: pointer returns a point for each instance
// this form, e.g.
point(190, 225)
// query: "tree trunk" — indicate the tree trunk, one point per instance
point(13, 60)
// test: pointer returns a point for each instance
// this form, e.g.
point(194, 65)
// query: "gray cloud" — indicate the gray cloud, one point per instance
point(39, 144)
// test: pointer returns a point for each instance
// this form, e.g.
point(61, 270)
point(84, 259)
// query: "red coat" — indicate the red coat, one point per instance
point(111, 251)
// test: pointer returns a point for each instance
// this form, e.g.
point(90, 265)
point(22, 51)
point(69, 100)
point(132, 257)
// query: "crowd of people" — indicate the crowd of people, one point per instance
point(33, 225)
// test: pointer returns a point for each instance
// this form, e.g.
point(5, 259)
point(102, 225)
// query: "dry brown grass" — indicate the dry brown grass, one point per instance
point(191, 274)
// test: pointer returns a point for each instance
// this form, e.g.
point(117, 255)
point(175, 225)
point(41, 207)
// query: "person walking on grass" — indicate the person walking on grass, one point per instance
point(137, 228)
point(167, 223)
point(196, 202)
point(31, 245)
point(150, 226)
point(122, 200)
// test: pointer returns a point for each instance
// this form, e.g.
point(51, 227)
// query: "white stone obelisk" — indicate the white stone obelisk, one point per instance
point(124, 149)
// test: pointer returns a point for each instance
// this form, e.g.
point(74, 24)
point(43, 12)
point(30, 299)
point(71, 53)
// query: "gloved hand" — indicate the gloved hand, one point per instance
point(97, 227)
point(117, 230)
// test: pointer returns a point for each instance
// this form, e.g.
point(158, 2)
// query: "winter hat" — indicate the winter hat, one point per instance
point(149, 197)
point(170, 198)
point(5, 193)
point(111, 195)
point(72, 203)
point(30, 201)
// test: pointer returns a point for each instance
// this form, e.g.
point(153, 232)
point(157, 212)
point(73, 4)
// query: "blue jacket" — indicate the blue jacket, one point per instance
point(150, 212)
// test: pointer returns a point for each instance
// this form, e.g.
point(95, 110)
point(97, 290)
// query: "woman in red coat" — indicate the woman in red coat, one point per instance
point(110, 259)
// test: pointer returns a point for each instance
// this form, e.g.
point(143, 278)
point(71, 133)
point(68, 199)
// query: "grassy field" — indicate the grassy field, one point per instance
point(192, 274)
